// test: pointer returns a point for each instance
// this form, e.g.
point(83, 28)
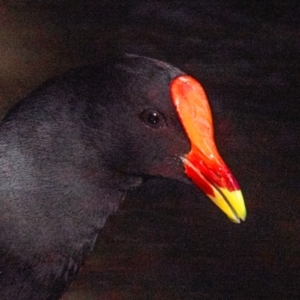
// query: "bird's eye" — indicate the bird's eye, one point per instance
point(152, 118)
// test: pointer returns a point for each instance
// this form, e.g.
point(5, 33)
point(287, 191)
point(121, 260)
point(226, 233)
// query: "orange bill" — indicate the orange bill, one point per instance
point(203, 164)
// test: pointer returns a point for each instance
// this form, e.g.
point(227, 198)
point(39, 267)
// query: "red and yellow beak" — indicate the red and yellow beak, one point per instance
point(203, 164)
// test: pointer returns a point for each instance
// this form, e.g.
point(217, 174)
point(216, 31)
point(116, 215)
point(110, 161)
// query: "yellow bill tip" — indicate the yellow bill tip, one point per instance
point(231, 203)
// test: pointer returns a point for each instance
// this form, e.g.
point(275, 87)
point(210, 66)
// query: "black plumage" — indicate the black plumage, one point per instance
point(69, 152)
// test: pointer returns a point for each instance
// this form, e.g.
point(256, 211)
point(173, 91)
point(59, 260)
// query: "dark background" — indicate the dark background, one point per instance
point(166, 241)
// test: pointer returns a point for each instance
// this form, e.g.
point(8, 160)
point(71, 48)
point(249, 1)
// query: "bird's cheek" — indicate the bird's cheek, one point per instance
point(167, 166)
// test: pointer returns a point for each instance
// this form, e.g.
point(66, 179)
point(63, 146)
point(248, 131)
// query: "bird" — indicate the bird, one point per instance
point(72, 149)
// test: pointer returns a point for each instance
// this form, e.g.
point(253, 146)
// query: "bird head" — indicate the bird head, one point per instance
point(163, 127)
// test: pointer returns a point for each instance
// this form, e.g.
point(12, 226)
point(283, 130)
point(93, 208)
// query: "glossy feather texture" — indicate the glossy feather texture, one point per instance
point(69, 152)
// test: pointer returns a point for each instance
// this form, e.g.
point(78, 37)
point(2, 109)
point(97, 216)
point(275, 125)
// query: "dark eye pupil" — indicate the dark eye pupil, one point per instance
point(153, 118)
